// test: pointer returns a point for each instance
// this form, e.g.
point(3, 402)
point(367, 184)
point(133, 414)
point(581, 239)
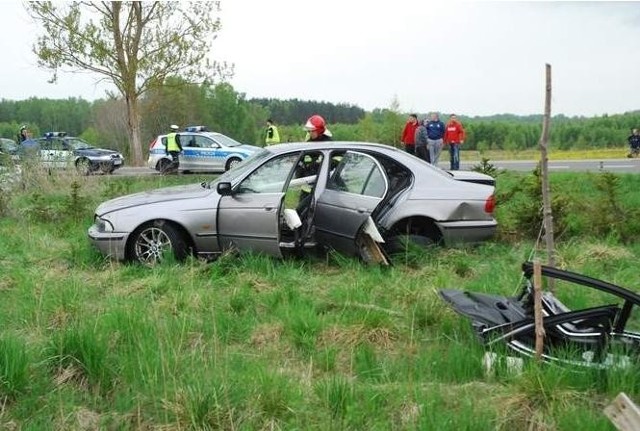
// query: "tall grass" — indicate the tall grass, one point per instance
point(251, 342)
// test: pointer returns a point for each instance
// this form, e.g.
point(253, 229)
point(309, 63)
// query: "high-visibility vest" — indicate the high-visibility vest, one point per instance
point(273, 137)
point(172, 145)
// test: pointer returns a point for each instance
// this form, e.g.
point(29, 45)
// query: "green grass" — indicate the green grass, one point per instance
point(251, 342)
point(554, 154)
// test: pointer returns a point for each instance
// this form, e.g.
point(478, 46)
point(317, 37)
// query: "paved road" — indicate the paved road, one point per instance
point(611, 165)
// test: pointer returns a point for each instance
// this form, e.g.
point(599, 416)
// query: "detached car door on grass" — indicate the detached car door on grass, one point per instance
point(249, 218)
point(354, 190)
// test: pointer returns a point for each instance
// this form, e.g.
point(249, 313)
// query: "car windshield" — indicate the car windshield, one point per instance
point(240, 170)
point(223, 140)
point(78, 144)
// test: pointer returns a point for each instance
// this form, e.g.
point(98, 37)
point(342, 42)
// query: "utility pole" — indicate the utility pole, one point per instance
point(544, 173)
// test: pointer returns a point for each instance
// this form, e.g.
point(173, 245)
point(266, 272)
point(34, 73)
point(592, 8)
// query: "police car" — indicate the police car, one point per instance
point(57, 150)
point(203, 150)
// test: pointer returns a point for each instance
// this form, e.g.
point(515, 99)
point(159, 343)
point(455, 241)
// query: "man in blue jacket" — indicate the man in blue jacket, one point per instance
point(435, 133)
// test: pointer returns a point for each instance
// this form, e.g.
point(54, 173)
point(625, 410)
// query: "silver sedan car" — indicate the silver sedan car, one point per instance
point(357, 198)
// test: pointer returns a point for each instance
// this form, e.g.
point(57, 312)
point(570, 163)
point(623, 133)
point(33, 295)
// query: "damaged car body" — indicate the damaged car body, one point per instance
point(291, 197)
point(594, 336)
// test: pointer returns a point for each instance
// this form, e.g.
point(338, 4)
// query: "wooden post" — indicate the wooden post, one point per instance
point(624, 414)
point(544, 174)
point(537, 307)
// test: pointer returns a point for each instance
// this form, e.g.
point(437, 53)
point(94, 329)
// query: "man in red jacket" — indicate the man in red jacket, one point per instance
point(409, 134)
point(454, 137)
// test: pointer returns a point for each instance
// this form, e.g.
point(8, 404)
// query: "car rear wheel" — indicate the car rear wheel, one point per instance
point(163, 165)
point(232, 163)
point(404, 243)
point(153, 242)
point(83, 166)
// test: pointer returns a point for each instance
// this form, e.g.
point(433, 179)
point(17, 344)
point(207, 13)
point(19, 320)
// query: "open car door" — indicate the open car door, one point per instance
point(354, 189)
point(249, 218)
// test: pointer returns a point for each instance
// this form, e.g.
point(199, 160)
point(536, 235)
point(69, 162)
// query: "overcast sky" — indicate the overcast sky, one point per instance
point(473, 58)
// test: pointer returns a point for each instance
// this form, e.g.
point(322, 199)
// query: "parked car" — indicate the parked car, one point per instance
point(57, 150)
point(202, 151)
point(290, 197)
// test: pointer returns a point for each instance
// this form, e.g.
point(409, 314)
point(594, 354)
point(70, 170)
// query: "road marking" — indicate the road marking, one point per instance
point(618, 166)
point(559, 167)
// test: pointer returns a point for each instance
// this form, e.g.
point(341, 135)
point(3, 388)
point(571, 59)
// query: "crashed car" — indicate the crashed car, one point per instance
point(291, 197)
point(595, 336)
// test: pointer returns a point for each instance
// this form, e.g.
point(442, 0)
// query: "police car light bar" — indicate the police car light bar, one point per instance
point(55, 134)
point(196, 129)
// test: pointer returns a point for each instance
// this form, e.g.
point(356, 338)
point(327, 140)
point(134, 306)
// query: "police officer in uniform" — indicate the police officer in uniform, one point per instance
point(173, 147)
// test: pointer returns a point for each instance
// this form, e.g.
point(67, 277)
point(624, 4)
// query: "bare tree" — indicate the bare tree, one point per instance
point(133, 45)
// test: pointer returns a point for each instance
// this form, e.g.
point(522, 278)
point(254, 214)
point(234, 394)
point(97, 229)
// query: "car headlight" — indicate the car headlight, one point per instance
point(103, 225)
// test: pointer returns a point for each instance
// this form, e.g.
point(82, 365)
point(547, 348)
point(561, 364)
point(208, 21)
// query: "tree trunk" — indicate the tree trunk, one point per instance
point(133, 128)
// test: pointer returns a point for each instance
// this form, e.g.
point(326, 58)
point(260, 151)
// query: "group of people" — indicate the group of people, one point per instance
point(424, 139)
point(427, 138)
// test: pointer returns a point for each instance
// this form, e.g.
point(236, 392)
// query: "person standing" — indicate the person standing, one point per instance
point(634, 142)
point(422, 141)
point(23, 134)
point(435, 135)
point(454, 137)
point(272, 136)
point(409, 134)
point(173, 147)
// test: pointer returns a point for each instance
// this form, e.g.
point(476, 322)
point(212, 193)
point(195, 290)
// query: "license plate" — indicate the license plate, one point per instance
point(117, 162)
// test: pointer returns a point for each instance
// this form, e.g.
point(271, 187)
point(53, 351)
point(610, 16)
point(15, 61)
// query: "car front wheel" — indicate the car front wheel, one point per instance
point(153, 242)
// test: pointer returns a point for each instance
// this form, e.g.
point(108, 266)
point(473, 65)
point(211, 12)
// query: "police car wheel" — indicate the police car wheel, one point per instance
point(233, 162)
point(163, 165)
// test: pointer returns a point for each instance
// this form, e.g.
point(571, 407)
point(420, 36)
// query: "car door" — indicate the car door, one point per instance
point(354, 190)
point(249, 218)
point(190, 152)
point(211, 159)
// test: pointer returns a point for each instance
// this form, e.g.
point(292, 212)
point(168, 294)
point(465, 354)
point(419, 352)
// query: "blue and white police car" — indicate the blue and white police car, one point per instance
point(202, 150)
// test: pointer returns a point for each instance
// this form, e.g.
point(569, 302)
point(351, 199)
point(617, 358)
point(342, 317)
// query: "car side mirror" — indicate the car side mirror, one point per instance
point(224, 189)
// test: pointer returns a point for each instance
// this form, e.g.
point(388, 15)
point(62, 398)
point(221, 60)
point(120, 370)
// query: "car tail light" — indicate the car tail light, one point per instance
point(490, 204)
point(152, 144)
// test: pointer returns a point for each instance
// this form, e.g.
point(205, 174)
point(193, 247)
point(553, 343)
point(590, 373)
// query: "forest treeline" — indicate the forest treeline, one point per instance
point(222, 108)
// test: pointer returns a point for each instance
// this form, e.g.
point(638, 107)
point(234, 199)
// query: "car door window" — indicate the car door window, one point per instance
point(270, 177)
point(203, 142)
point(359, 174)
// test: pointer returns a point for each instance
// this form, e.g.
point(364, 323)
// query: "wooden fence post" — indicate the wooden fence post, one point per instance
point(623, 413)
point(537, 307)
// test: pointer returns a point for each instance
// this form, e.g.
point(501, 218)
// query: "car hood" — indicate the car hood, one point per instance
point(190, 191)
point(95, 152)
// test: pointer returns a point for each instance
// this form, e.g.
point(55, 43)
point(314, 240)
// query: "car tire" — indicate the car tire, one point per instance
point(107, 169)
point(163, 165)
point(151, 242)
point(401, 243)
point(232, 162)
point(83, 166)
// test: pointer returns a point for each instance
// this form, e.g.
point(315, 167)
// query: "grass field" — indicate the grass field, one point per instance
point(250, 342)
point(534, 154)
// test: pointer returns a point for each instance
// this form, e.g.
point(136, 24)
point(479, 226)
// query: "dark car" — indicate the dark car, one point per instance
point(57, 150)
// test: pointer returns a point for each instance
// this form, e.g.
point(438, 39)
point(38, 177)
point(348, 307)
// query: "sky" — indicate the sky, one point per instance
point(468, 57)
